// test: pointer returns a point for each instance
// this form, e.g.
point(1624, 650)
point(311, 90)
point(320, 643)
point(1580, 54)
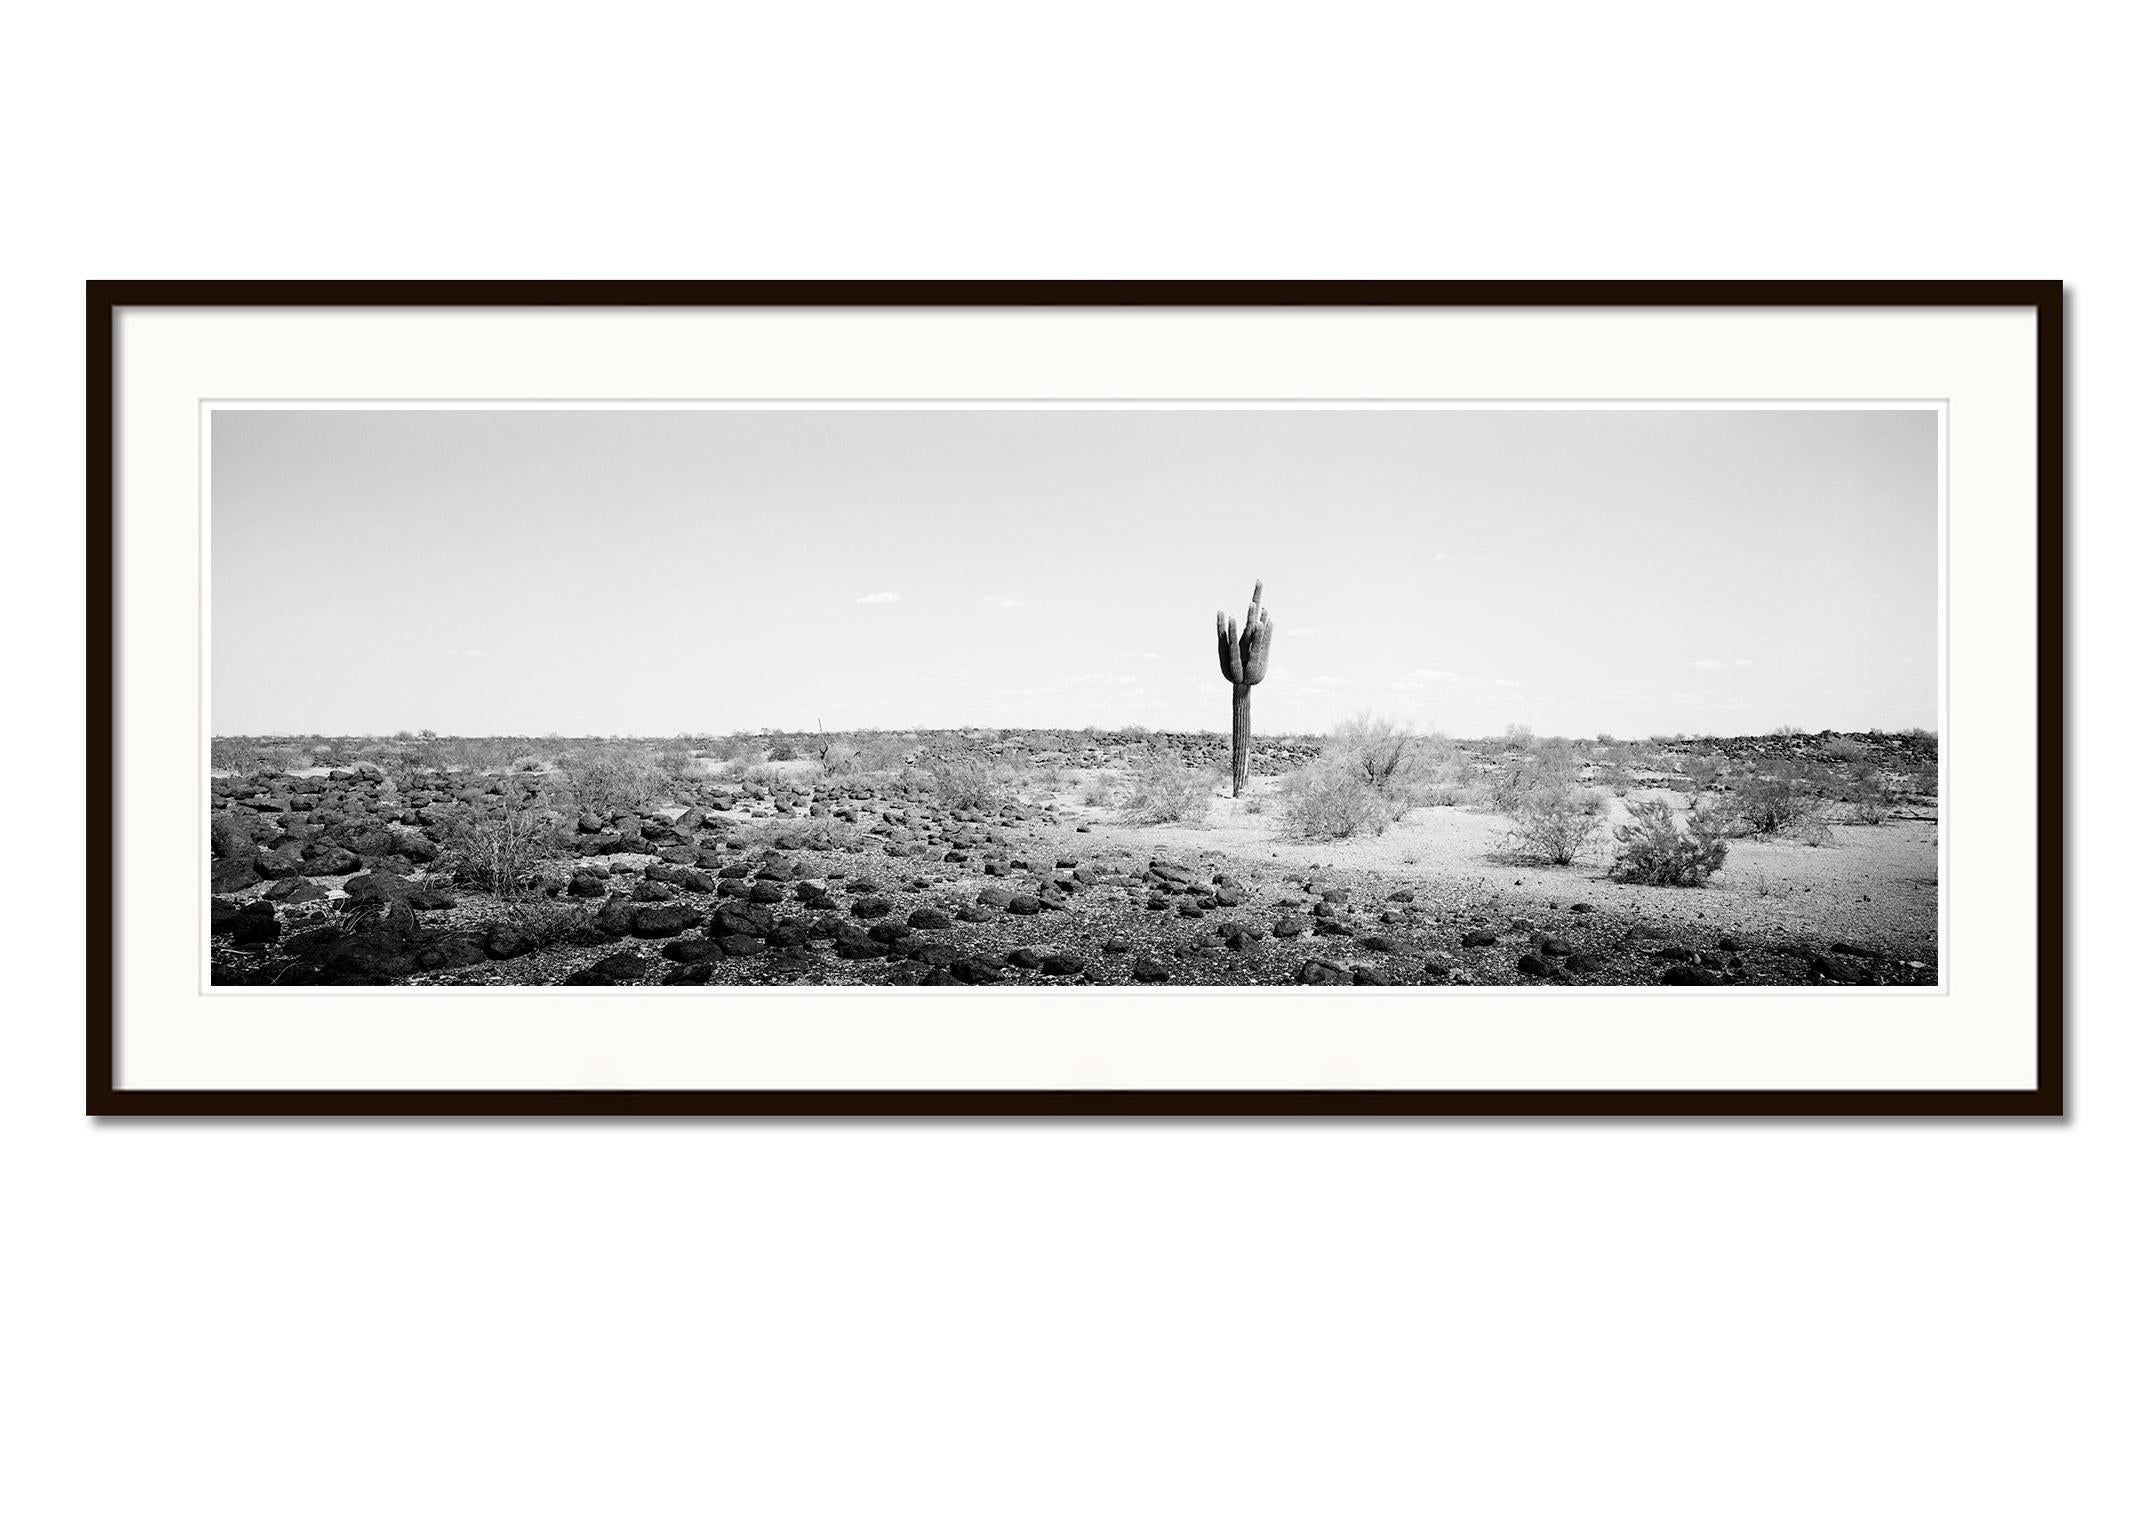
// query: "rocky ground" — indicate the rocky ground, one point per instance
point(335, 879)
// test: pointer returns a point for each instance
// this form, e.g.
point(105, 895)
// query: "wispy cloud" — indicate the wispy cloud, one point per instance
point(1004, 601)
point(1101, 678)
point(1307, 630)
point(877, 598)
point(1711, 665)
point(1426, 678)
point(472, 651)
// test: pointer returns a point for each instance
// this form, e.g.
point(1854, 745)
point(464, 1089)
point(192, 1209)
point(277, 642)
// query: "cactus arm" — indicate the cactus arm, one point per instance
point(1227, 648)
point(1254, 663)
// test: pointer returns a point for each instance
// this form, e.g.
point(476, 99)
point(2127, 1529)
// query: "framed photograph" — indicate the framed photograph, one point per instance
point(1076, 698)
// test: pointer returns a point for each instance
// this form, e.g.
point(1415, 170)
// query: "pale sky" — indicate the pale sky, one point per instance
point(653, 572)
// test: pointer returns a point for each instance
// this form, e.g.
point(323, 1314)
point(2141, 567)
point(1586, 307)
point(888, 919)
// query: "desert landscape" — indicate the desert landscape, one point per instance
point(1367, 856)
point(920, 602)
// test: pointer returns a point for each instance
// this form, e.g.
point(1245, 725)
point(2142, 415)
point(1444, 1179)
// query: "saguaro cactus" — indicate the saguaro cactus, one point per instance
point(1244, 657)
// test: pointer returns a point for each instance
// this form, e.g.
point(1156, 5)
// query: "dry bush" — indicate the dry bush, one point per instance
point(1162, 788)
point(504, 853)
point(1369, 772)
point(967, 784)
point(1703, 775)
point(1554, 826)
point(1654, 850)
point(1615, 768)
point(1778, 798)
point(234, 755)
point(1386, 756)
point(762, 779)
point(1327, 799)
point(1048, 778)
point(610, 777)
point(1867, 795)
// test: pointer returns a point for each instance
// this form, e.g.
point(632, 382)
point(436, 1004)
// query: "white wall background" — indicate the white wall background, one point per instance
point(1702, 1329)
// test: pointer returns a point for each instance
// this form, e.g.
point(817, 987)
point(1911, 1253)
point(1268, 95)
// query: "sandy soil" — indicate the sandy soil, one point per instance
point(1876, 885)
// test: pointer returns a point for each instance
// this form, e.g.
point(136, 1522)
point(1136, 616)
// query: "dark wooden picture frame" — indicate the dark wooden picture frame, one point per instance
point(106, 1097)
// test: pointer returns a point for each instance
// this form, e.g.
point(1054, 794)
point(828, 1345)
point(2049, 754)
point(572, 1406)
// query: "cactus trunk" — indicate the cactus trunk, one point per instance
point(1243, 656)
point(1242, 735)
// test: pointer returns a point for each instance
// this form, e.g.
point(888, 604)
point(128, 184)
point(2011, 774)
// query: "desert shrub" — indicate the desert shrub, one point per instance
point(1162, 788)
point(1510, 787)
point(1553, 826)
point(1704, 773)
point(1615, 768)
point(1369, 772)
point(1867, 796)
point(234, 755)
point(877, 753)
point(967, 784)
point(504, 853)
point(1654, 850)
point(1329, 799)
point(762, 779)
point(1376, 750)
point(1444, 792)
point(1100, 791)
point(610, 777)
point(1777, 799)
point(1047, 777)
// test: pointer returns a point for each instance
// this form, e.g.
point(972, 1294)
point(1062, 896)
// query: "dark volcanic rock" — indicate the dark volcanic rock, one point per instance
point(738, 918)
point(616, 917)
point(253, 923)
point(619, 967)
point(662, 922)
point(233, 875)
point(449, 952)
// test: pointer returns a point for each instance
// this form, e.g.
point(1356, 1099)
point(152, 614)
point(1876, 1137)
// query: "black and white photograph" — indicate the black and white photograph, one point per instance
point(830, 772)
point(1076, 695)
